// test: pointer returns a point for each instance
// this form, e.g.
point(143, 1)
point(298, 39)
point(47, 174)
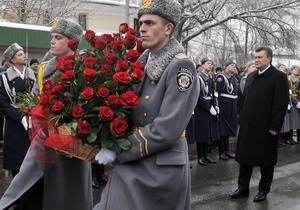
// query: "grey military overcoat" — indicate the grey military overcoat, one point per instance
point(154, 173)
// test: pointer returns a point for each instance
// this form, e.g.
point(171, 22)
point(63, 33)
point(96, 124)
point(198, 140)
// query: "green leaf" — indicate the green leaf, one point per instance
point(123, 144)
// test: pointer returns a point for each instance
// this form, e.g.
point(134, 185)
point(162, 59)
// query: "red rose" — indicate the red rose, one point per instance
point(107, 37)
point(90, 74)
point(137, 74)
point(58, 90)
point(123, 28)
point(110, 58)
point(73, 44)
point(90, 61)
point(69, 57)
point(77, 111)
point(131, 31)
point(137, 65)
point(69, 76)
point(68, 64)
point(88, 93)
point(60, 64)
point(103, 92)
point(139, 46)
point(84, 127)
point(130, 40)
point(122, 77)
point(122, 65)
point(119, 126)
point(132, 55)
point(47, 85)
point(105, 69)
point(130, 99)
point(89, 35)
point(46, 99)
point(100, 44)
point(117, 45)
point(58, 107)
point(116, 36)
point(113, 100)
point(106, 113)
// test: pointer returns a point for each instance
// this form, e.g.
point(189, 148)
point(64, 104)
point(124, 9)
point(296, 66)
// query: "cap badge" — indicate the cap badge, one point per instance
point(55, 22)
point(146, 3)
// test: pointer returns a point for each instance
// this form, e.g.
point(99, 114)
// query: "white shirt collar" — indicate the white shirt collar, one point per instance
point(22, 74)
point(260, 72)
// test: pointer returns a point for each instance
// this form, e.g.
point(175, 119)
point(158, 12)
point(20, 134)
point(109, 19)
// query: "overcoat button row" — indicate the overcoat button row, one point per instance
point(145, 114)
point(152, 83)
point(147, 97)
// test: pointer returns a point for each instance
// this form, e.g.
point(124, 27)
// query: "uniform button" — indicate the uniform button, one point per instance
point(152, 83)
point(145, 114)
point(147, 97)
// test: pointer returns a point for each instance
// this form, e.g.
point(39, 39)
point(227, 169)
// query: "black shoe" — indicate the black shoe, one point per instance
point(239, 193)
point(295, 141)
point(202, 162)
point(289, 142)
point(279, 146)
point(223, 156)
point(261, 196)
point(209, 160)
point(282, 144)
point(229, 155)
point(95, 183)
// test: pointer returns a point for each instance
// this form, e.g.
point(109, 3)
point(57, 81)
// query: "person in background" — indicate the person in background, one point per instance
point(205, 121)
point(266, 97)
point(34, 65)
point(68, 184)
point(218, 70)
point(98, 174)
point(227, 89)
point(4, 65)
point(17, 78)
point(158, 158)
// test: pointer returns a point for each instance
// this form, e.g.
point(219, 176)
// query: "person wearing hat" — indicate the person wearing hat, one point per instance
point(266, 97)
point(34, 65)
point(227, 89)
point(205, 113)
point(67, 185)
point(294, 115)
point(154, 173)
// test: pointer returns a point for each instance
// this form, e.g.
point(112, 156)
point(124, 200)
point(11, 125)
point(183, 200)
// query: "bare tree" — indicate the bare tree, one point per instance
point(39, 12)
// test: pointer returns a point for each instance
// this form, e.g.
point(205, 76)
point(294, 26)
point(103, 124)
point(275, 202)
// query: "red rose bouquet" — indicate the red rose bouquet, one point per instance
point(92, 95)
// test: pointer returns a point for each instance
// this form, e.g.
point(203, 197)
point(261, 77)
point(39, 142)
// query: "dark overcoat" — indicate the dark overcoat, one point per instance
point(16, 137)
point(263, 108)
point(227, 88)
point(205, 124)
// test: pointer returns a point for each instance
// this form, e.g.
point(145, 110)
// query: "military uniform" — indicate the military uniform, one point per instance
point(206, 125)
point(158, 157)
point(227, 88)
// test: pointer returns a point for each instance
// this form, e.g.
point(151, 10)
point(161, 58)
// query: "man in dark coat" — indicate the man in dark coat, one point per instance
point(263, 109)
point(205, 121)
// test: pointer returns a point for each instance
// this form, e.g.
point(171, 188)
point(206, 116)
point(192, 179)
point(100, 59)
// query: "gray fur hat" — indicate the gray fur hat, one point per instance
point(227, 63)
point(11, 51)
point(248, 64)
point(206, 59)
point(168, 9)
point(67, 28)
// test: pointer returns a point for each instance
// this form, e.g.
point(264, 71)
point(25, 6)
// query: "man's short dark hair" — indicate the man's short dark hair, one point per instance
point(268, 51)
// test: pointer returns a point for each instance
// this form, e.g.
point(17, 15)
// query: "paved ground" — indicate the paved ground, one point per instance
point(211, 184)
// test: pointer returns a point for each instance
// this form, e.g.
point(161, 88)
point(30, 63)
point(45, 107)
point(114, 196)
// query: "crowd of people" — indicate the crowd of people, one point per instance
point(261, 101)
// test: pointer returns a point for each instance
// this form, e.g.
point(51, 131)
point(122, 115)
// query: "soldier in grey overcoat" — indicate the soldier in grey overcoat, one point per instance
point(67, 185)
point(264, 106)
point(154, 173)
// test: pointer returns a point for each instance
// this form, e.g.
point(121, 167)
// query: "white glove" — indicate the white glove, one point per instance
point(289, 107)
point(217, 109)
point(216, 94)
point(24, 123)
point(213, 111)
point(298, 105)
point(105, 156)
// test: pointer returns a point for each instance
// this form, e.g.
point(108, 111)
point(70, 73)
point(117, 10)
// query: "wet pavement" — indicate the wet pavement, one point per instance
point(212, 183)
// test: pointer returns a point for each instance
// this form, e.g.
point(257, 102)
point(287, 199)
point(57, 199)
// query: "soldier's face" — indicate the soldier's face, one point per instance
point(207, 66)
point(251, 68)
point(59, 45)
point(19, 58)
point(155, 32)
point(261, 60)
point(282, 68)
point(295, 71)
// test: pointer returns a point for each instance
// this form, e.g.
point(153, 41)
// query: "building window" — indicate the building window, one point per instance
point(82, 20)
